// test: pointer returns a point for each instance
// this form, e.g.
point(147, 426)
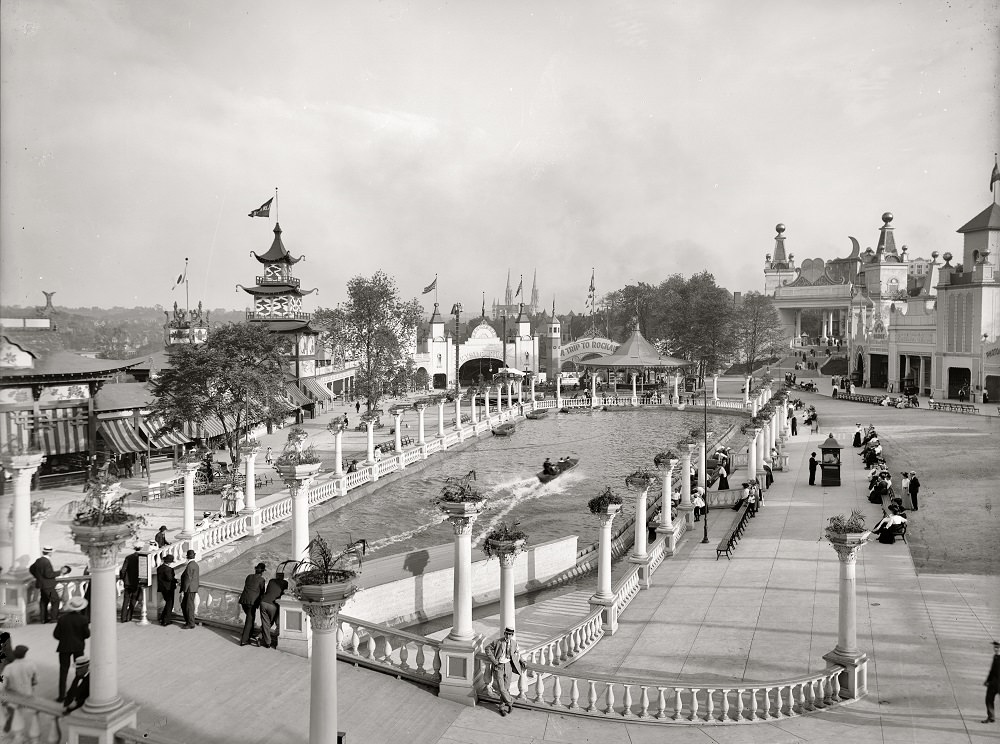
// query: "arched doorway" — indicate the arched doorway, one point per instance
point(858, 375)
point(440, 381)
point(958, 378)
point(478, 370)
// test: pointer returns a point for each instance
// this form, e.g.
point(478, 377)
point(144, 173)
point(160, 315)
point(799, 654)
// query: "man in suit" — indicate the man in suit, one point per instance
point(166, 583)
point(504, 656)
point(45, 580)
point(72, 631)
point(253, 588)
point(129, 575)
point(190, 581)
point(992, 684)
point(269, 610)
point(813, 463)
point(914, 488)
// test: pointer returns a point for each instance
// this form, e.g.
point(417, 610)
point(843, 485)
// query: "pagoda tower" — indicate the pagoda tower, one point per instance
point(277, 304)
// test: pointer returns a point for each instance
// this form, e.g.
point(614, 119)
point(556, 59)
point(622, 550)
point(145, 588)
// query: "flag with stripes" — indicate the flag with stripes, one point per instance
point(995, 176)
point(264, 210)
point(181, 277)
point(432, 286)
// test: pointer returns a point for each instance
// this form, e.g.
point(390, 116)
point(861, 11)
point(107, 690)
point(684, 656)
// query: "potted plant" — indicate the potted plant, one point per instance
point(100, 516)
point(460, 496)
point(193, 457)
point(606, 502)
point(17, 454)
point(326, 576)
point(640, 480)
point(668, 458)
point(847, 530)
point(505, 538)
point(295, 460)
point(39, 510)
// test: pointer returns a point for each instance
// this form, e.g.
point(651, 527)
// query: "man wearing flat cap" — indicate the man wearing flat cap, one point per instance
point(129, 575)
point(504, 656)
point(993, 684)
point(253, 588)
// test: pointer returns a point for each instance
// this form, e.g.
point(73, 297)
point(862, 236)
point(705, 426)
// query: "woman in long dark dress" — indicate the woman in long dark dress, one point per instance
point(723, 478)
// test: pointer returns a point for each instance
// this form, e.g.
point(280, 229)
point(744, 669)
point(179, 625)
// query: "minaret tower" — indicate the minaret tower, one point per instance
point(554, 336)
point(278, 305)
point(535, 300)
point(508, 298)
point(779, 268)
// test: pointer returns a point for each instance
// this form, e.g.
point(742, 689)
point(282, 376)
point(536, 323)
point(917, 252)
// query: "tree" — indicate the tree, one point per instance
point(757, 330)
point(235, 377)
point(698, 317)
point(377, 329)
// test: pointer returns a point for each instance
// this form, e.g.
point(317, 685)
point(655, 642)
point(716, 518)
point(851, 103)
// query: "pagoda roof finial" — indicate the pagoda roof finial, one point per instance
point(277, 252)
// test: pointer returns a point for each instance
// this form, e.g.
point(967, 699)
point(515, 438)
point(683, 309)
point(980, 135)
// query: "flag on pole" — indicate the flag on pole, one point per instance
point(591, 280)
point(520, 286)
point(432, 286)
point(995, 176)
point(181, 277)
point(264, 210)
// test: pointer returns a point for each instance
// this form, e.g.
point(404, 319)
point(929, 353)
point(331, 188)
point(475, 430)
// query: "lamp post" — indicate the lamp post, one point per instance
point(982, 367)
point(456, 310)
point(704, 462)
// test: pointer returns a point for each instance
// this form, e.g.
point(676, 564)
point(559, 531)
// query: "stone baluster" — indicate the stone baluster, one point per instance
point(15, 534)
point(188, 469)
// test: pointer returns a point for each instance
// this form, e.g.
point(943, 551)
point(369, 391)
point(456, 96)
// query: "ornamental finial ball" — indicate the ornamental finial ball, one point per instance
point(934, 254)
point(947, 257)
point(780, 227)
point(887, 217)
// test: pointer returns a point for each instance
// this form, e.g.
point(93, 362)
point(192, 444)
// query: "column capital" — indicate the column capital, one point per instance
point(507, 559)
point(248, 454)
point(462, 524)
point(322, 615)
point(102, 544)
point(19, 464)
point(606, 518)
point(847, 547)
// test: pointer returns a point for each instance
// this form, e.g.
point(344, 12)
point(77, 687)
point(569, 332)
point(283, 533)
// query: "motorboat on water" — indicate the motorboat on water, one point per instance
point(535, 415)
point(504, 430)
point(558, 469)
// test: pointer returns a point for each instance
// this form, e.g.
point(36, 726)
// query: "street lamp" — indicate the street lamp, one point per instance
point(456, 310)
point(982, 367)
point(704, 430)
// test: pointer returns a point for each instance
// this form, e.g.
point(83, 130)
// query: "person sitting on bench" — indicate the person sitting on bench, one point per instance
point(890, 525)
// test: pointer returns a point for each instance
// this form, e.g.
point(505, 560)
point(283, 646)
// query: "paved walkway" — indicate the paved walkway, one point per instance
point(768, 613)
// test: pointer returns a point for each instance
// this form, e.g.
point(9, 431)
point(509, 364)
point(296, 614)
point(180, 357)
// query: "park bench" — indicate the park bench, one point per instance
point(954, 407)
point(732, 536)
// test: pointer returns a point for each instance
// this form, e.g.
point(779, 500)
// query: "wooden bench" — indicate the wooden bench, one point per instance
point(732, 536)
point(954, 407)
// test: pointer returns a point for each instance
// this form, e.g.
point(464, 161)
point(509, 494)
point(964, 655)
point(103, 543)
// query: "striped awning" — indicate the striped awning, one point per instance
point(58, 431)
point(158, 438)
point(211, 427)
point(298, 398)
point(315, 390)
point(121, 436)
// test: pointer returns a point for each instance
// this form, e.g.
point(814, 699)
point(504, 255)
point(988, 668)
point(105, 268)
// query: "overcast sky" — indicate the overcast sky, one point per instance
point(469, 138)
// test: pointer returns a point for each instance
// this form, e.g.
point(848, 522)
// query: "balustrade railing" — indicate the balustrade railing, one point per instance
point(224, 533)
point(569, 645)
point(386, 466)
point(626, 589)
point(219, 604)
point(31, 719)
point(727, 497)
point(411, 455)
point(432, 446)
point(71, 586)
point(621, 698)
point(358, 477)
point(451, 439)
point(276, 511)
point(388, 650)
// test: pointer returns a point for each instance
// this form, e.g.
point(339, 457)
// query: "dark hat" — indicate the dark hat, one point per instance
point(996, 644)
point(168, 559)
point(508, 631)
point(190, 554)
point(259, 567)
point(163, 527)
point(20, 652)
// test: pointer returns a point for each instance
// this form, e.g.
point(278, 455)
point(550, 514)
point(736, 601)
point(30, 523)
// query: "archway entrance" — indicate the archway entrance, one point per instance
point(859, 371)
point(958, 378)
point(479, 370)
point(440, 381)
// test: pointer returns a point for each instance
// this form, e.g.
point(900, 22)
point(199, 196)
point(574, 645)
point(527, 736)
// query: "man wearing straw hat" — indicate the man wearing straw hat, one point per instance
point(79, 688)
point(504, 655)
point(72, 631)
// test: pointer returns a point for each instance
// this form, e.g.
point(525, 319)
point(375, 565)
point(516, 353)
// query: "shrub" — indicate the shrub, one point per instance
point(603, 500)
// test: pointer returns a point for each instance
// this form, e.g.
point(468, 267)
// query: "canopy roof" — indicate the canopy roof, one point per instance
point(636, 353)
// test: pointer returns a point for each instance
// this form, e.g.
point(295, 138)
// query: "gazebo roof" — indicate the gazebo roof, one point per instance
point(637, 353)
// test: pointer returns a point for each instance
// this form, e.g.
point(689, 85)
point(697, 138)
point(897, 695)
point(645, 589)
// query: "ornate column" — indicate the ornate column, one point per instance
point(746, 389)
point(336, 428)
point(715, 388)
point(639, 555)
point(755, 405)
point(298, 478)
point(397, 444)
point(440, 405)
point(605, 598)
point(702, 467)
point(593, 391)
point(676, 399)
point(559, 401)
point(458, 412)
point(15, 535)
point(686, 508)
point(370, 432)
point(854, 678)
point(507, 551)
point(322, 603)
point(752, 453)
point(635, 395)
point(459, 648)
point(421, 407)
point(188, 469)
point(520, 392)
point(499, 397)
point(764, 451)
point(248, 454)
point(666, 511)
point(510, 394)
point(104, 712)
point(473, 413)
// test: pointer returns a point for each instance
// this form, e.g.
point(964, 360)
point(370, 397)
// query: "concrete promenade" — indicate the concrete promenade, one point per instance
point(770, 613)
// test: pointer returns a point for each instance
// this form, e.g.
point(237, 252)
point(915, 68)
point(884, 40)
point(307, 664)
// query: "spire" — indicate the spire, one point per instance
point(533, 307)
point(436, 316)
point(553, 308)
point(508, 298)
point(520, 314)
point(886, 242)
point(277, 252)
point(484, 305)
point(780, 259)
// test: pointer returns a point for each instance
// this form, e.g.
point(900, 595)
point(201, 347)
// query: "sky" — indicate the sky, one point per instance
point(467, 139)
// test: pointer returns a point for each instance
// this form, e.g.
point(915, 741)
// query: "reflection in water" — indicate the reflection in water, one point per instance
point(401, 517)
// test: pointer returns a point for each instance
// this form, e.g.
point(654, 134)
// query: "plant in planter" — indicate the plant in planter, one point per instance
point(293, 453)
point(459, 489)
point(604, 501)
point(194, 456)
point(842, 526)
point(103, 505)
point(640, 479)
point(323, 566)
point(18, 454)
point(504, 538)
point(664, 458)
point(685, 442)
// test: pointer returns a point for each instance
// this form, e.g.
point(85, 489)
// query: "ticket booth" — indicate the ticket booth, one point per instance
point(830, 461)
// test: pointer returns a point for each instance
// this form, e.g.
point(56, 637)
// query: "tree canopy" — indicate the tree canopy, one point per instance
point(376, 328)
point(757, 330)
point(235, 377)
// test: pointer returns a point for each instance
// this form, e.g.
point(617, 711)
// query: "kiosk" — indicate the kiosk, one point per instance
point(830, 461)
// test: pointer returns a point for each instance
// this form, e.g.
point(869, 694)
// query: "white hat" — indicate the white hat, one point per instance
point(47, 549)
point(75, 604)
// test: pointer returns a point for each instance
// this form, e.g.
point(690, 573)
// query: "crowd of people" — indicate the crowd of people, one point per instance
point(895, 503)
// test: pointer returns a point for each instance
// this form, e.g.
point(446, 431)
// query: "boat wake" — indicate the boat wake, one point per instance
point(520, 492)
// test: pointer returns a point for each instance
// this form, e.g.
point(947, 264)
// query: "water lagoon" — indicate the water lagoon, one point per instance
point(401, 517)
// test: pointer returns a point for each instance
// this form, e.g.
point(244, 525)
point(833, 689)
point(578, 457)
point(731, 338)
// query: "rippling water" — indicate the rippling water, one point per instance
point(401, 516)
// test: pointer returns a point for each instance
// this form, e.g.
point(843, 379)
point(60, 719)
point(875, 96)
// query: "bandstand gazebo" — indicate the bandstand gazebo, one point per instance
point(636, 356)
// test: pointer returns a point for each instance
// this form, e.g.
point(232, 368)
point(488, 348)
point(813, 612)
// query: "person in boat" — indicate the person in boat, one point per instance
point(548, 468)
point(563, 462)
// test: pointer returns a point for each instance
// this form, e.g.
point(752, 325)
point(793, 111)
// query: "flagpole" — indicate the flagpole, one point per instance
point(187, 293)
point(435, 289)
point(276, 205)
